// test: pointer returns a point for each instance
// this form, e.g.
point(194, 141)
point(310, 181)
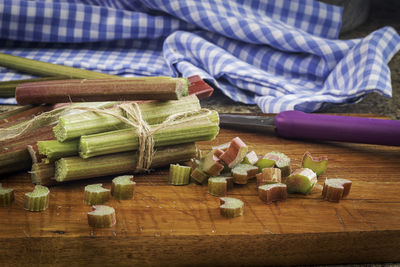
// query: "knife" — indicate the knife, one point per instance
point(299, 125)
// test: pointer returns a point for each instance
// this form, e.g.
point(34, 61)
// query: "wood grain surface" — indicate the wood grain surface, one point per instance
point(168, 225)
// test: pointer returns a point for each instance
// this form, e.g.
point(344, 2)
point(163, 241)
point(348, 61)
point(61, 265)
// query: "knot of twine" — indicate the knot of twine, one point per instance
point(144, 132)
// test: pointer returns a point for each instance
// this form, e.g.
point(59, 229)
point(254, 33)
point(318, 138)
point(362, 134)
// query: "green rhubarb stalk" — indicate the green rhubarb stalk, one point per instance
point(18, 160)
point(48, 69)
point(126, 139)
point(54, 150)
point(75, 168)
point(89, 122)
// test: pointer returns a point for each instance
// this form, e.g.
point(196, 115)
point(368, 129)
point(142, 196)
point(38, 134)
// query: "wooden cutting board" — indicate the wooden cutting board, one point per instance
point(168, 225)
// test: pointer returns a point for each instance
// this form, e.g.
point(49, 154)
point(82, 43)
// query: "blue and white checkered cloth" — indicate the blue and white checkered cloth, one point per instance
point(278, 54)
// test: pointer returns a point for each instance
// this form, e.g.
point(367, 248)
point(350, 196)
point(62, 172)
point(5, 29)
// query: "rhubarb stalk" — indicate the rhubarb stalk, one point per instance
point(90, 90)
point(74, 168)
point(89, 122)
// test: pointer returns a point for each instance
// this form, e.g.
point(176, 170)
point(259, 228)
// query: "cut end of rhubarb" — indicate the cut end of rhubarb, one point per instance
point(60, 170)
point(96, 194)
point(317, 164)
point(250, 158)
point(38, 200)
point(6, 196)
point(335, 189)
point(301, 181)
point(243, 172)
point(199, 87)
point(217, 186)
point(272, 192)
point(231, 207)
point(102, 216)
point(235, 153)
point(60, 131)
point(122, 187)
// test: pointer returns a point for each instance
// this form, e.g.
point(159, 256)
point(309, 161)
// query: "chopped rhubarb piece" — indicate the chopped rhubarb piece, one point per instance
point(281, 161)
point(269, 176)
point(122, 187)
point(96, 194)
point(217, 186)
point(38, 200)
point(301, 181)
point(199, 87)
point(317, 164)
point(199, 176)
point(231, 207)
point(211, 164)
point(335, 189)
point(179, 175)
point(250, 158)
point(6, 196)
point(235, 153)
point(242, 172)
point(102, 216)
point(272, 192)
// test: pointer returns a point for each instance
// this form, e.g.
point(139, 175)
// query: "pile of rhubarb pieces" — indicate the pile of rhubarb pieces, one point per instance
point(231, 163)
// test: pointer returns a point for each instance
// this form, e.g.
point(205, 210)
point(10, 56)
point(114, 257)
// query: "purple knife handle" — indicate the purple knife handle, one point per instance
point(300, 125)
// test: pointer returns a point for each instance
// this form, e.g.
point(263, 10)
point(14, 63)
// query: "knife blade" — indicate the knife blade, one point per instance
point(299, 125)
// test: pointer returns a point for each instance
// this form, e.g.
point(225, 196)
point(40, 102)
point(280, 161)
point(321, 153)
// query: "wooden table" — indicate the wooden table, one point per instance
point(168, 225)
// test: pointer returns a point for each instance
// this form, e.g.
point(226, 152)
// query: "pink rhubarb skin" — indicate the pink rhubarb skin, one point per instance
point(235, 153)
point(272, 192)
point(336, 189)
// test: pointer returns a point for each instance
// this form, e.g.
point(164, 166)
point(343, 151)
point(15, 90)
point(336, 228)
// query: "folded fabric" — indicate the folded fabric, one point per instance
point(280, 55)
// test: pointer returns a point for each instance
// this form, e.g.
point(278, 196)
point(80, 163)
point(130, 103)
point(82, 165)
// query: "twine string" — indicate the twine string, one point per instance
point(133, 117)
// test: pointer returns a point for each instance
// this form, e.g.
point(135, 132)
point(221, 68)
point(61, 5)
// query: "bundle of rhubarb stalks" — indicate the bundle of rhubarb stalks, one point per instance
point(63, 142)
point(93, 144)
